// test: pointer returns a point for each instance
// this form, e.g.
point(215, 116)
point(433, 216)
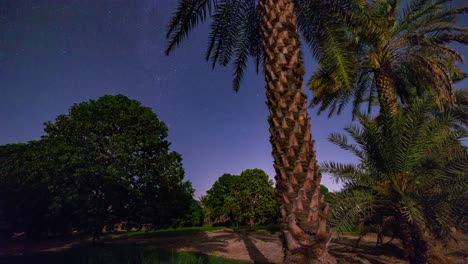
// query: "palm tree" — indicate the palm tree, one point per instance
point(407, 161)
point(398, 54)
point(460, 109)
point(266, 30)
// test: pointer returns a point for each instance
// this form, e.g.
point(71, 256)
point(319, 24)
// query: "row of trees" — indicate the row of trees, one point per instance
point(367, 51)
point(107, 162)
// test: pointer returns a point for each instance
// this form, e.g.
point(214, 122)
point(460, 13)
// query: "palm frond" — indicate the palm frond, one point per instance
point(246, 37)
point(348, 207)
point(224, 33)
point(188, 15)
point(342, 172)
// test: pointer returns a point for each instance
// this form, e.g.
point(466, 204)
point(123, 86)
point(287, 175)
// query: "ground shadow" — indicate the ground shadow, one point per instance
point(129, 249)
point(344, 248)
point(254, 253)
point(193, 241)
point(103, 254)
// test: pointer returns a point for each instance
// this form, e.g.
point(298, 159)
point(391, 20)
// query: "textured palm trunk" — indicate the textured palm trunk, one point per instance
point(414, 244)
point(303, 211)
point(386, 90)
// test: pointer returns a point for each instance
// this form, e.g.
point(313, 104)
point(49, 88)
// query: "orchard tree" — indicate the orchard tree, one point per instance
point(106, 162)
point(216, 196)
point(24, 193)
point(248, 198)
point(256, 196)
point(116, 152)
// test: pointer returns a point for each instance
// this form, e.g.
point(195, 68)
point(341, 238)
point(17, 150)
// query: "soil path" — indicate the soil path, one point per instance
point(259, 247)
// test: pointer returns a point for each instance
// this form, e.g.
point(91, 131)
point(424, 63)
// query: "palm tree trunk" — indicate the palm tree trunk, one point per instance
point(303, 212)
point(414, 244)
point(386, 91)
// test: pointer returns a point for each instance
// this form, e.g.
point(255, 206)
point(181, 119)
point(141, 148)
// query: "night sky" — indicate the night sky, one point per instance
point(57, 53)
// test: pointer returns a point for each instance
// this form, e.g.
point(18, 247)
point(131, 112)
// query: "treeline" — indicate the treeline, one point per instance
point(107, 163)
point(246, 199)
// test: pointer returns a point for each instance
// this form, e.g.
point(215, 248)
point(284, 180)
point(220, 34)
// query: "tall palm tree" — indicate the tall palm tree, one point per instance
point(266, 30)
point(398, 54)
point(407, 161)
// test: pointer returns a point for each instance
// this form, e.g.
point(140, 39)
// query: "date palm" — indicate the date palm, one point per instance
point(399, 54)
point(460, 109)
point(266, 30)
point(406, 163)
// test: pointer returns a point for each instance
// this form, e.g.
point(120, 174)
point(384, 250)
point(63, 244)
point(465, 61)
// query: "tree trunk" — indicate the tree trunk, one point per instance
point(414, 244)
point(303, 212)
point(380, 235)
point(386, 91)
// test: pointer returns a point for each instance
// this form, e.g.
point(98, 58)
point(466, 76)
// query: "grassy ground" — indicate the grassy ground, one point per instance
point(174, 245)
point(168, 232)
point(115, 254)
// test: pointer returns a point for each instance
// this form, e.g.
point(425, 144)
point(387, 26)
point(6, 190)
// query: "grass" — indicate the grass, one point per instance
point(103, 253)
point(182, 231)
point(112, 254)
point(271, 228)
point(168, 232)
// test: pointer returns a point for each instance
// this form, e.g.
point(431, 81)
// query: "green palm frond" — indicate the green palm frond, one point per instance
point(411, 210)
point(329, 42)
point(235, 34)
point(342, 172)
point(445, 38)
point(417, 13)
point(349, 206)
point(405, 164)
point(227, 20)
point(188, 15)
point(411, 43)
point(248, 43)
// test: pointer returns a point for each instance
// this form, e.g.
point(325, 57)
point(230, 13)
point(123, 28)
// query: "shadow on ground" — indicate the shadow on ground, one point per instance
point(344, 249)
point(252, 246)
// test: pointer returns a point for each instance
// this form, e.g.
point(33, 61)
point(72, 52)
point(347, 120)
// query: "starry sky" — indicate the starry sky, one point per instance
point(56, 53)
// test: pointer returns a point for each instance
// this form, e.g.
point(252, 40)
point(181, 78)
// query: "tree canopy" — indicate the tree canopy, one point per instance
point(106, 162)
point(248, 198)
point(396, 51)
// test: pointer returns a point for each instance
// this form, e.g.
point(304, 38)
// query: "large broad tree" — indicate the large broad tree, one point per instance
point(24, 193)
point(247, 199)
point(256, 196)
point(116, 153)
point(406, 163)
point(215, 199)
point(267, 31)
point(397, 54)
point(106, 162)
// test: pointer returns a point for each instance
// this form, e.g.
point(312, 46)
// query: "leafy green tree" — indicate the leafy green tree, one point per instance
point(24, 192)
point(266, 31)
point(195, 215)
point(206, 209)
point(106, 162)
point(411, 174)
point(397, 53)
point(216, 196)
point(116, 152)
point(249, 198)
point(256, 196)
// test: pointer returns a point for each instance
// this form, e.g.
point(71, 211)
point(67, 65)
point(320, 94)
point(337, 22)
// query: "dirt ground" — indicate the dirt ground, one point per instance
point(259, 247)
